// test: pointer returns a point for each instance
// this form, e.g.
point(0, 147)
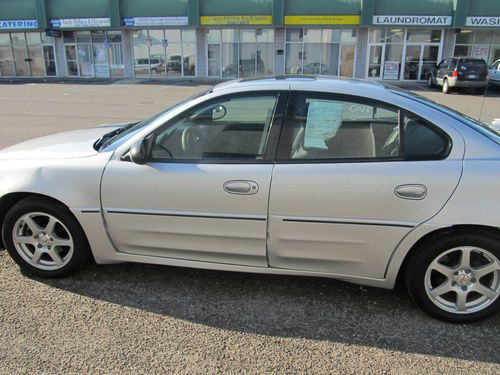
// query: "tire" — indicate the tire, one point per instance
point(480, 91)
point(460, 291)
point(44, 238)
point(430, 83)
point(446, 87)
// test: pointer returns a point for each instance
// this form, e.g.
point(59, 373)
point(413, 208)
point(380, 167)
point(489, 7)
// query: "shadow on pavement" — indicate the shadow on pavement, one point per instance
point(282, 306)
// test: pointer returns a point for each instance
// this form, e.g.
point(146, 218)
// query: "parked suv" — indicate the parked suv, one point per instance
point(460, 72)
point(157, 65)
point(494, 78)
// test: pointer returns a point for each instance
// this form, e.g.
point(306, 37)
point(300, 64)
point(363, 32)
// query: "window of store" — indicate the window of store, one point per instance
point(409, 54)
point(96, 53)
point(478, 43)
point(165, 53)
point(240, 52)
point(320, 51)
point(28, 54)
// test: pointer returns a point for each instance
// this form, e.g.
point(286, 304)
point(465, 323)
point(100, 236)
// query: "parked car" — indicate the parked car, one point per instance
point(157, 65)
point(460, 72)
point(306, 176)
point(494, 74)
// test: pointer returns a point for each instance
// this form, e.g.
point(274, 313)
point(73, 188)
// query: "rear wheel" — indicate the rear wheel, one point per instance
point(446, 86)
point(457, 278)
point(44, 238)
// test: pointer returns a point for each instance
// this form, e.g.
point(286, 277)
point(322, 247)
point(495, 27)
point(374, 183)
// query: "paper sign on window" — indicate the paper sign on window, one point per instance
point(323, 121)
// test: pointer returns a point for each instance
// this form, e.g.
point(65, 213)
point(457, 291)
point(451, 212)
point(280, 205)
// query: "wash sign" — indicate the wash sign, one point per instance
point(18, 24)
point(483, 21)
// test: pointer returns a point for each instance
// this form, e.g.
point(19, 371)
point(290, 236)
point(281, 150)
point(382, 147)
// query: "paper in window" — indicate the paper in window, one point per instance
point(323, 121)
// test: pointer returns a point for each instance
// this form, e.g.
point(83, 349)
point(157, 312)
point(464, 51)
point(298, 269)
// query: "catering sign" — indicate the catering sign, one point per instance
point(412, 20)
point(18, 24)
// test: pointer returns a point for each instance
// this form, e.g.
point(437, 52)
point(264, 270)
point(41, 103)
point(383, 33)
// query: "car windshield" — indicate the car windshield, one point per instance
point(130, 129)
point(484, 128)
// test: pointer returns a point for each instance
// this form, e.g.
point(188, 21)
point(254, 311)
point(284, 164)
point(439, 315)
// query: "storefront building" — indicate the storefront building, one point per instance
point(390, 40)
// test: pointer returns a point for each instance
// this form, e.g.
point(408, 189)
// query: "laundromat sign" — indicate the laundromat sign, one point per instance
point(18, 24)
point(412, 20)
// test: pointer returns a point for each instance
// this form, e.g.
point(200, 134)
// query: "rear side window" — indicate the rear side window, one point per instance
point(323, 127)
point(423, 140)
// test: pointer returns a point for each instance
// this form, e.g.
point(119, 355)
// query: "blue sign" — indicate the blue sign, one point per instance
point(164, 43)
point(128, 21)
point(106, 43)
point(18, 24)
point(55, 23)
point(53, 33)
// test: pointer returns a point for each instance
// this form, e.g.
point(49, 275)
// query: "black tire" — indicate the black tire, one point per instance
point(430, 82)
point(81, 254)
point(422, 258)
point(446, 88)
point(480, 91)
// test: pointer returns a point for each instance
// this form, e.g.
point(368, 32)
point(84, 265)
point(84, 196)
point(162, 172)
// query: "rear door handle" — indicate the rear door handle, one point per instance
point(411, 191)
point(241, 187)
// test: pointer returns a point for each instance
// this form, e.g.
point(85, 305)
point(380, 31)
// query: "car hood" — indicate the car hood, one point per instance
point(71, 144)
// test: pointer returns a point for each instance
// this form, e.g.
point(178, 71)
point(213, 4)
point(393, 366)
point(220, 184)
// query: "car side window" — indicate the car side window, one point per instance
point(444, 64)
point(231, 128)
point(423, 140)
point(330, 128)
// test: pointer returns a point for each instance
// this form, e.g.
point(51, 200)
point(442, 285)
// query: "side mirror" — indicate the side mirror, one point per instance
point(139, 151)
point(218, 112)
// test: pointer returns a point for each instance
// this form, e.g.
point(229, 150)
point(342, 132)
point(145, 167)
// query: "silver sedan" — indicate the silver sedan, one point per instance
point(300, 176)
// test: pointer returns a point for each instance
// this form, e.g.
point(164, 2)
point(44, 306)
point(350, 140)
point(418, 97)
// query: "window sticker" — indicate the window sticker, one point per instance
point(323, 121)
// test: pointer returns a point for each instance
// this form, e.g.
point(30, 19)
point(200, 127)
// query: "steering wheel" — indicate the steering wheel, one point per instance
point(190, 138)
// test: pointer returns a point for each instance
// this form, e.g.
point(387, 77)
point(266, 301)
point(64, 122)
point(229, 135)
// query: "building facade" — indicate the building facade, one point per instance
point(371, 39)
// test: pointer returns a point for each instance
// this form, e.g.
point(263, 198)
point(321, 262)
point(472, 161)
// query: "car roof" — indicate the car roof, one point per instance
point(334, 84)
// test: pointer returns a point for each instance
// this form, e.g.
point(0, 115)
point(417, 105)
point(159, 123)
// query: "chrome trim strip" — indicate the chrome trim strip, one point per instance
point(202, 215)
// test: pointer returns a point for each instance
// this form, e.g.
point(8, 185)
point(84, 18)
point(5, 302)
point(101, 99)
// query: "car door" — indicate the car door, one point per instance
point(203, 193)
point(494, 74)
point(346, 189)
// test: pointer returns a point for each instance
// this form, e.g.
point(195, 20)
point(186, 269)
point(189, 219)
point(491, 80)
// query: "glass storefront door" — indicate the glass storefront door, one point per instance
point(409, 54)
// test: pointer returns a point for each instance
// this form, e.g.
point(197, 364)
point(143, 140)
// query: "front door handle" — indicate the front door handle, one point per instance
point(242, 187)
point(411, 191)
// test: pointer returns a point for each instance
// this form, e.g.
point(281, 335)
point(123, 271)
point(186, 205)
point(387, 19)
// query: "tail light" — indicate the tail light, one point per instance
point(455, 74)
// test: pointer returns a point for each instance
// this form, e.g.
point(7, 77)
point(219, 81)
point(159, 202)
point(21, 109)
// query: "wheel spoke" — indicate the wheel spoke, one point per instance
point(49, 228)
point(442, 269)
point(35, 229)
point(36, 256)
point(465, 258)
point(62, 242)
point(25, 240)
point(461, 300)
point(484, 290)
point(55, 257)
point(489, 268)
point(440, 290)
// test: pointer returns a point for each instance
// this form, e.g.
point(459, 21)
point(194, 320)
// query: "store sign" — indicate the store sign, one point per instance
point(413, 20)
point(483, 21)
point(236, 20)
point(391, 70)
point(18, 24)
point(66, 23)
point(323, 20)
point(155, 21)
point(481, 52)
point(53, 33)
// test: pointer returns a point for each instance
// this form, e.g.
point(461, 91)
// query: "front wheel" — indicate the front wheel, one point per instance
point(457, 278)
point(44, 238)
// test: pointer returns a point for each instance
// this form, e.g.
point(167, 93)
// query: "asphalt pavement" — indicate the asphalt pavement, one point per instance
point(145, 319)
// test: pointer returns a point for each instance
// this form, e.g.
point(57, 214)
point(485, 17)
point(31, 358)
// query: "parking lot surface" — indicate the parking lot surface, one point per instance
point(144, 319)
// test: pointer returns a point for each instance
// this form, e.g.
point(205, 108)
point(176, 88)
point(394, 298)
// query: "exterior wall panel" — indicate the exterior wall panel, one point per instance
point(17, 9)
